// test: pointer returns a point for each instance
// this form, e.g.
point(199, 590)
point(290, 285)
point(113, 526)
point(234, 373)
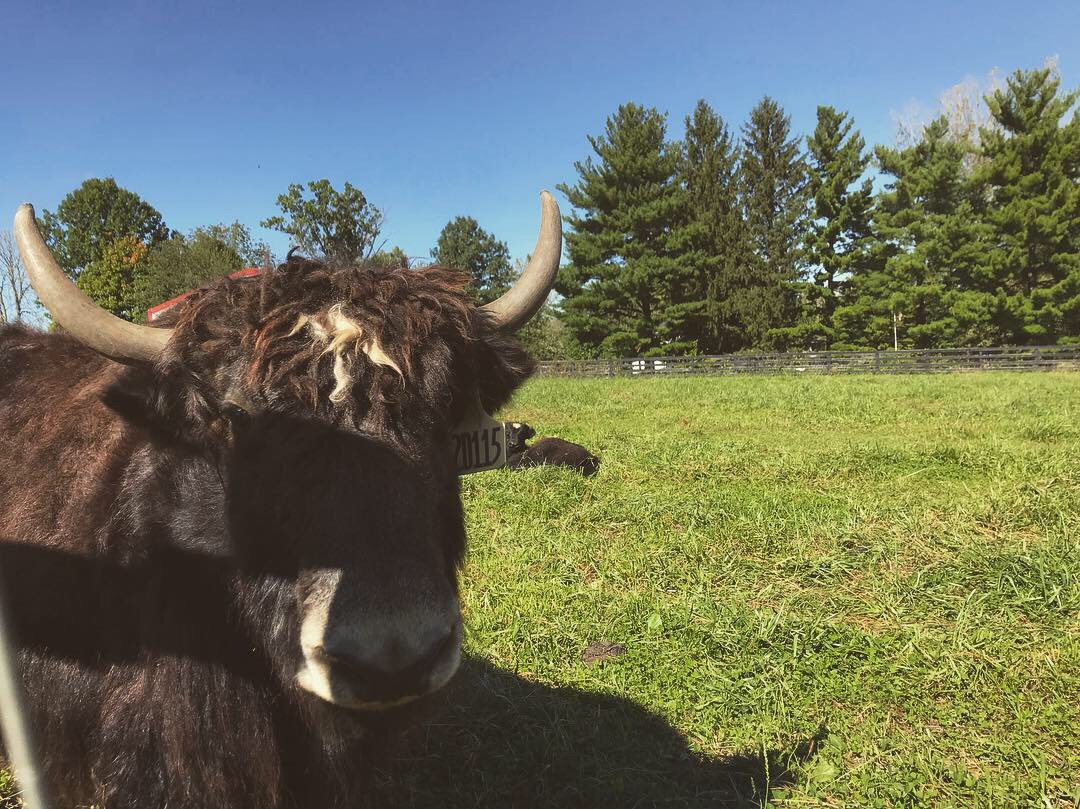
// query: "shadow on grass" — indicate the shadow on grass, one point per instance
point(503, 741)
point(499, 741)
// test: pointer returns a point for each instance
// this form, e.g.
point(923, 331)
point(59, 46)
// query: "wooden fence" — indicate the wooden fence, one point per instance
point(908, 361)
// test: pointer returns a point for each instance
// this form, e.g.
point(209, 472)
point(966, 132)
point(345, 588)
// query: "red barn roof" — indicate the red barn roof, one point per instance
point(154, 312)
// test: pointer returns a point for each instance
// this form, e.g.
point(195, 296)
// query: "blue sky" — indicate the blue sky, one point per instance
point(210, 110)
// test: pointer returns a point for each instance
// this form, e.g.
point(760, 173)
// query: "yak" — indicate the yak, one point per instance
point(546, 452)
point(517, 433)
point(232, 544)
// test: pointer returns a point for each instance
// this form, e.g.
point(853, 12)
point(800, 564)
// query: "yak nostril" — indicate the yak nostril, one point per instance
point(392, 658)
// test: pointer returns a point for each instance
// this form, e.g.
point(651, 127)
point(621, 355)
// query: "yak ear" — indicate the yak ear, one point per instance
point(502, 365)
point(164, 404)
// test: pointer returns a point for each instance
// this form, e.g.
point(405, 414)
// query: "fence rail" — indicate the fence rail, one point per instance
point(908, 361)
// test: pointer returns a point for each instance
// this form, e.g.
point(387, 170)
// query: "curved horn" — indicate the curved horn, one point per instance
point(85, 320)
point(523, 300)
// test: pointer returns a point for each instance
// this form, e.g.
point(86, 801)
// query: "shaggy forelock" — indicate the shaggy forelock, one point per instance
point(315, 332)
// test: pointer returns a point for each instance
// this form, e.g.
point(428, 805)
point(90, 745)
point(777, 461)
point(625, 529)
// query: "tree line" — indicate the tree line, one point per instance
point(117, 248)
point(717, 243)
point(713, 243)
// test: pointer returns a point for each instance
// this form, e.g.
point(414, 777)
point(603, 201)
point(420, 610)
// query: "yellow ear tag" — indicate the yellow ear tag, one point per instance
point(479, 442)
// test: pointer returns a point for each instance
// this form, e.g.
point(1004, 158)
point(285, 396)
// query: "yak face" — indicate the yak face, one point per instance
point(325, 398)
point(371, 532)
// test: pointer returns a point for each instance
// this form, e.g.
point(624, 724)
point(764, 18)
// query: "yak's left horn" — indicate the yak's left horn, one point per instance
point(85, 320)
point(523, 300)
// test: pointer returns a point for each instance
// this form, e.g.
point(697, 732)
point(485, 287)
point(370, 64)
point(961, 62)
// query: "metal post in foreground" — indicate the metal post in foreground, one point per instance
point(14, 723)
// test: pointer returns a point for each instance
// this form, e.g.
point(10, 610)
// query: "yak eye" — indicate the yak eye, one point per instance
point(233, 411)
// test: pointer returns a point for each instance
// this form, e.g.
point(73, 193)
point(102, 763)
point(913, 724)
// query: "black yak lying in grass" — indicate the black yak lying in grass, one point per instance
point(546, 451)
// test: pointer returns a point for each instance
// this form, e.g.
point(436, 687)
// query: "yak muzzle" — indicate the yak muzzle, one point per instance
point(373, 661)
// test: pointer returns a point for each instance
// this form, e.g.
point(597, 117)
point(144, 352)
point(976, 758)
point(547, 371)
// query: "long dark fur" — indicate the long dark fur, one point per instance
point(156, 606)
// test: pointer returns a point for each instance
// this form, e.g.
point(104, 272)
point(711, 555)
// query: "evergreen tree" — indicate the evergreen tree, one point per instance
point(933, 250)
point(711, 175)
point(774, 196)
point(631, 244)
point(839, 238)
point(1033, 168)
point(467, 246)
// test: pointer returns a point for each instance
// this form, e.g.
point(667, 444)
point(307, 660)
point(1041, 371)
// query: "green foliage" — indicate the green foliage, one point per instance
point(179, 265)
point(634, 266)
point(546, 337)
point(774, 196)
point(839, 240)
point(933, 247)
point(238, 238)
point(710, 245)
point(1032, 165)
point(467, 246)
point(340, 226)
point(394, 258)
point(711, 174)
point(977, 251)
point(110, 280)
point(94, 216)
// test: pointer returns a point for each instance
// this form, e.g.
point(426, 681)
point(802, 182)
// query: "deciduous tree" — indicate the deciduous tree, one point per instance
point(178, 265)
point(237, 237)
point(17, 299)
point(394, 258)
point(341, 226)
point(95, 216)
point(110, 279)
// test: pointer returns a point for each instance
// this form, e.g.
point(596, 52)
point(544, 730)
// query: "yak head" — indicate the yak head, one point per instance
point(324, 398)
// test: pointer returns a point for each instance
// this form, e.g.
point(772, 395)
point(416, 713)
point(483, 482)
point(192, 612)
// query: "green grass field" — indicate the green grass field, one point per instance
point(857, 591)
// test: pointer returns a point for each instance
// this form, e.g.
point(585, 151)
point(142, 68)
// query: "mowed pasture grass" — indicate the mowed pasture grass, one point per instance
point(830, 591)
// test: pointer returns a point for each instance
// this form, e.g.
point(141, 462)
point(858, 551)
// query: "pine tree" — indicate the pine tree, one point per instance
point(1033, 168)
point(839, 238)
point(774, 196)
point(711, 175)
point(933, 250)
point(631, 246)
